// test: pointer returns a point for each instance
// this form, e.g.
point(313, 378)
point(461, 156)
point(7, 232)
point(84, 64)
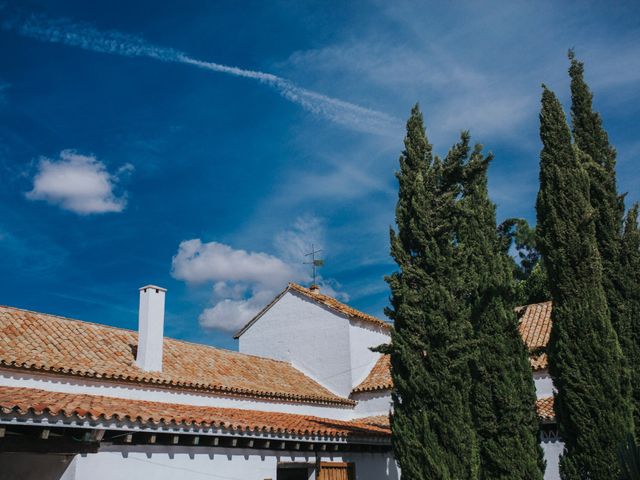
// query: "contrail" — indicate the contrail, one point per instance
point(87, 37)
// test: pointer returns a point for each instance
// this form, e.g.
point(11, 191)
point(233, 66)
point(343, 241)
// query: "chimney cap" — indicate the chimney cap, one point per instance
point(155, 287)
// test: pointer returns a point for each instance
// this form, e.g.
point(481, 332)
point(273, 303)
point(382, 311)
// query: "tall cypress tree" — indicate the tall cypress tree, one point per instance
point(600, 163)
point(630, 262)
point(433, 435)
point(503, 393)
point(585, 359)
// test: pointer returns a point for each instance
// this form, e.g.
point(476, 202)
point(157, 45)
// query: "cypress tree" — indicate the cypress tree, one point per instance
point(432, 430)
point(529, 272)
point(503, 393)
point(585, 359)
point(600, 163)
point(630, 261)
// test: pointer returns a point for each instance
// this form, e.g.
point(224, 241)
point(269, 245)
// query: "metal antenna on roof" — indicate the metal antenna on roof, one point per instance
point(315, 263)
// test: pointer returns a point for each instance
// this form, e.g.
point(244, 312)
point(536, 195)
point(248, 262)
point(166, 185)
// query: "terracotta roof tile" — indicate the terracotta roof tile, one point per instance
point(36, 341)
point(381, 421)
point(340, 307)
point(379, 377)
point(544, 407)
point(24, 401)
point(535, 328)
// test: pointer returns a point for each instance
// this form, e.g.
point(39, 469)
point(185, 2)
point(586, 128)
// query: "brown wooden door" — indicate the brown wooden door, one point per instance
point(337, 471)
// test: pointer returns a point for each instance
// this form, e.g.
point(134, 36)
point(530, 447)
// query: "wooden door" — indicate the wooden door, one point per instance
point(337, 471)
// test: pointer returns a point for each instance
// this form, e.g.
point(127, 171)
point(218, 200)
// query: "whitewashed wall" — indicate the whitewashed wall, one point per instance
point(552, 449)
point(543, 383)
point(372, 403)
point(313, 338)
point(196, 463)
point(363, 336)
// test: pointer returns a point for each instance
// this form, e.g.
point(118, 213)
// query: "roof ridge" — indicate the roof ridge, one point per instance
point(323, 296)
point(533, 304)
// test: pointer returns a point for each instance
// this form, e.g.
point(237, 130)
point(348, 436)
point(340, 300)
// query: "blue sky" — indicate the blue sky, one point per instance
point(132, 152)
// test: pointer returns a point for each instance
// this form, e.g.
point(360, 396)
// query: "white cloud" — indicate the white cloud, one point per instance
point(79, 183)
point(245, 282)
point(198, 262)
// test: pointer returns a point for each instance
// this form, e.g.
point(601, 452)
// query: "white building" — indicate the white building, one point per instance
point(305, 398)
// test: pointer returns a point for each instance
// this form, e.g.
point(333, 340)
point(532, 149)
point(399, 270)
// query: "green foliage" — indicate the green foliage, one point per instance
point(530, 274)
point(629, 459)
point(433, 436)
point(592, 405)
point(464, 399)
point(600, 161)
point(630, 338)
point(503, 394)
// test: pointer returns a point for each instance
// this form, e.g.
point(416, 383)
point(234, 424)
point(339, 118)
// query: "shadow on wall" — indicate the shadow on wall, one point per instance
point(34, 466)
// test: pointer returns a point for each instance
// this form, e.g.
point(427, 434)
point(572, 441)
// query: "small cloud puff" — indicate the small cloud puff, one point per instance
point(244, 282)
point(78, 183)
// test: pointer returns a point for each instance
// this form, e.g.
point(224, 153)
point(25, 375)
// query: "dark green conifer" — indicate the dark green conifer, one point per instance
point(529, 272)
point(585, 359)
point(630, 264)
point(503, 394)
point(433, 436)
point(600, 162)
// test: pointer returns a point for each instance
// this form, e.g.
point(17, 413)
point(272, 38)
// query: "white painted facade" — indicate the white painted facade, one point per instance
point(372, 404)
point(325, 345)
point(184, 463)
point(543, 383)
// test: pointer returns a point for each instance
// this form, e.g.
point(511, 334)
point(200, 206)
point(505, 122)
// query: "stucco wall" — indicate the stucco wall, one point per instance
point(543, 383)
point(372, 403)
point(552, 449)
point(313, 338)
point(191, 463)
point(363, 336)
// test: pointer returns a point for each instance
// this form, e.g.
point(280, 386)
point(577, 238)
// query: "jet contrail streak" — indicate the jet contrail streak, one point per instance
point(87, 37)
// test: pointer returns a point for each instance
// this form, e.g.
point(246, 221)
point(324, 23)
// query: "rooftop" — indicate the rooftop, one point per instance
point(49, 343)
point(535, 328)
point(41, 403)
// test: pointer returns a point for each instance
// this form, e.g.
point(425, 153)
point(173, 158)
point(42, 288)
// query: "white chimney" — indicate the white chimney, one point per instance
point(150, 328)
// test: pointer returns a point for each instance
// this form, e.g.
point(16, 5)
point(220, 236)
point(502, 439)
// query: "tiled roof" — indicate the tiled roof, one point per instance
point(544, 407)
point(535, 328)
point(25, 401)
point(379, 377)
point(322, 299)
point(381, 421)
point(36, 341)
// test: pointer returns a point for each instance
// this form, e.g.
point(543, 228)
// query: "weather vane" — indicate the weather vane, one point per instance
point(315, 262)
